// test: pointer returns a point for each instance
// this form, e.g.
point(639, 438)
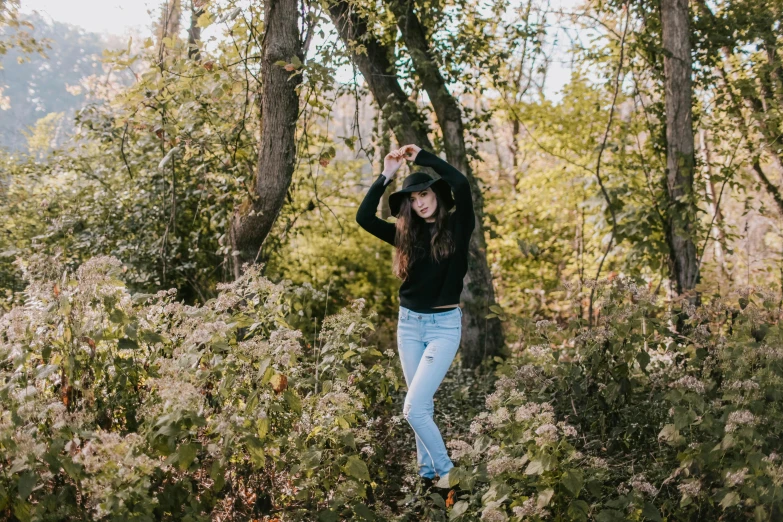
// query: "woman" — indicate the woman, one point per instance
point(431, 259)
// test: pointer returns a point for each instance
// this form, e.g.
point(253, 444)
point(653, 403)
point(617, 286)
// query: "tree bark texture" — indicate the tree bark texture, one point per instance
point(194, 31)
point(277, 152)
point(168, 25)
point(375, 63)
point(481, 337)
point(382, 148)
point(681, 212)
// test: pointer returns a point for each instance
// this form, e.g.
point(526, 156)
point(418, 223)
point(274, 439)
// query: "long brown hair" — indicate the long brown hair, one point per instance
point(411, 227)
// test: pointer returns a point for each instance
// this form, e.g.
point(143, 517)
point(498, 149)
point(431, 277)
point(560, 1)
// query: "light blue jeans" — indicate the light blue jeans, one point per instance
point(427, 344)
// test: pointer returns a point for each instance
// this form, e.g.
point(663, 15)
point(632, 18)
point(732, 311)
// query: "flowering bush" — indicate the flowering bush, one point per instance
point(120, 406)
point(629, 419)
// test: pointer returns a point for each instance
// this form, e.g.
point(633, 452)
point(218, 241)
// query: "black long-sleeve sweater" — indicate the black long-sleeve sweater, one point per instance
point(429, 284)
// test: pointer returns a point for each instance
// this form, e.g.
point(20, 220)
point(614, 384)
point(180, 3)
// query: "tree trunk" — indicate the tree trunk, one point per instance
point(376, 65)
point(769, 142)
point(382, 148)
point(718, 236)
point(194, 32)
point(254, 219)
point(482, 337)
point(168, 25)
point(681, 211)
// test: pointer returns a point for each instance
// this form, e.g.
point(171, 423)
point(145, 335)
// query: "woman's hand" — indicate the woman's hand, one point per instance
point(392, 162)
point(410, 151)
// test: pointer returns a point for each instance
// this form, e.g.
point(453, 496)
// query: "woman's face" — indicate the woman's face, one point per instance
point(424, 203)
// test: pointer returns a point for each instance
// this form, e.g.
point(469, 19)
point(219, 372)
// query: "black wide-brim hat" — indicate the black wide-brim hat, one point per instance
point(417, 182)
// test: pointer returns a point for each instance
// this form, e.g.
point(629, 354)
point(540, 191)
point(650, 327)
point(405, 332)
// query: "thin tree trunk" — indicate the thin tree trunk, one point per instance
point(764, 122)
point(382, 148)
point(513, 148)
point(194, 32)
point(735, 110)
point(681, 211)
point(377, 68)
point(716, 215)
point(482, 337)
point(168, 25)
point(253, 220)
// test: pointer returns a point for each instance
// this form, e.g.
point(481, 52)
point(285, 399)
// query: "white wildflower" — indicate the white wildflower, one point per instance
point(530, 508)
point(639, 483)
point(546, 433)
point(459, 449)
point(499, 417)
point(493, 515)
point(689, 383)
point(504, 464)
point(740, 418)
point(735, 478)
point(526, 412)
point(690, 489)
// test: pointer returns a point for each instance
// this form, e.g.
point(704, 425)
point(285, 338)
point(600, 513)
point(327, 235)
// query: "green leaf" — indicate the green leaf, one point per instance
point(262, 426)
point(311, 458)
point(127, 344)
point(573, 480)
point(536, 467)
point(356, 468)
point(671, 434)
point(118, 316)
point(256, 450)
point(610, 515)
point(26, 484)
point(73, 469)
point(459, 509)
point(438, 500)
point(650, 512)
point(327, 515)
point(644, 359)
point(363, 512)
point(151, 337)
point(578, 510)
point(187, 454)
point(293, 401)
point(544, 497)
point(732, 498)
point(218, 475)
point(22, 511)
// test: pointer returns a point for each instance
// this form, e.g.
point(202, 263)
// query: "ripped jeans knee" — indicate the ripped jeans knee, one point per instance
point(412, 411)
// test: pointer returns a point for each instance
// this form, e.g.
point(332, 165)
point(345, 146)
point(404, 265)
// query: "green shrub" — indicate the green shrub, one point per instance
point(631, 420)
point(120, 406)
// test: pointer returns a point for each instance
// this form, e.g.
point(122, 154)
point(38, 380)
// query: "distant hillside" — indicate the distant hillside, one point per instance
point(38, 87)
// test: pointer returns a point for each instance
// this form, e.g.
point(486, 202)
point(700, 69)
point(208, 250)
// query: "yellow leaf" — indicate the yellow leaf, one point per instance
point(205, 20)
